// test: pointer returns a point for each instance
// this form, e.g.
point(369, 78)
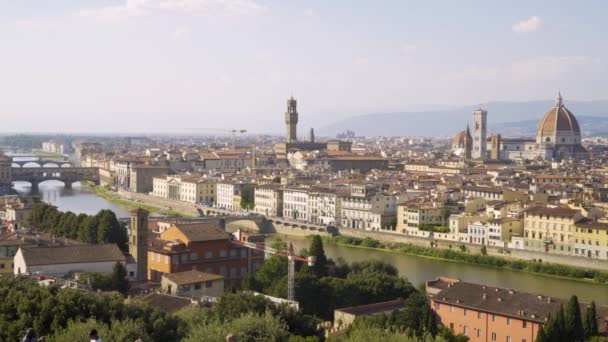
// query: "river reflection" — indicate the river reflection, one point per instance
point(79, 199)
point(418, 270)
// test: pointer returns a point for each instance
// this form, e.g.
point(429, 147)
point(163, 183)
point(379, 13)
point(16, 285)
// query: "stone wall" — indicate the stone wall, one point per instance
point(163, 203)
point(473, 248)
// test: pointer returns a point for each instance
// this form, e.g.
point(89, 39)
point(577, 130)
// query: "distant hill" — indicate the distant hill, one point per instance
point(513, 119)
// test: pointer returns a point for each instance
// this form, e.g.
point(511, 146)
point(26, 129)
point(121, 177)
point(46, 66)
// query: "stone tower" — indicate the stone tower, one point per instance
point(480, 119)
point(291, 120)
point(468, 142)
point(311, 137)
point(495, 151)
point(138, 241)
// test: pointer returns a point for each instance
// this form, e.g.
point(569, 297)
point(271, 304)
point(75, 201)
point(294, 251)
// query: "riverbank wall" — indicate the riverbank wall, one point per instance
point(279, 226)
point(514, 254)
point(187, 209)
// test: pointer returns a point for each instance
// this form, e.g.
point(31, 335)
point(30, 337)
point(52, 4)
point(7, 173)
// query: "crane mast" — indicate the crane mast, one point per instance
point(291, 261)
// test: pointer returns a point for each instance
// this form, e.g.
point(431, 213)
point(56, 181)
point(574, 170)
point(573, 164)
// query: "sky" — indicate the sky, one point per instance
point(208, 65)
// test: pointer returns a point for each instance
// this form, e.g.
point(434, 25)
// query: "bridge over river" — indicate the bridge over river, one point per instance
point(35, 170)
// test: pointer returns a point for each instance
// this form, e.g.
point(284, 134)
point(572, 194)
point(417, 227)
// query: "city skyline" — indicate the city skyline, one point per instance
point(146, 65)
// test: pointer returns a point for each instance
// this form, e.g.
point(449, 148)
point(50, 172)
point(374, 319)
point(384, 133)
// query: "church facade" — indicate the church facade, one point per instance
point(558, 137)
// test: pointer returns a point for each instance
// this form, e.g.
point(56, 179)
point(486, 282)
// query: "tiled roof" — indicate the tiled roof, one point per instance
point(371, 309)
point(190, 277)
point(503, 301)
point(541, 210)
point(37, 256)
point(166, 302)
point(206, 231)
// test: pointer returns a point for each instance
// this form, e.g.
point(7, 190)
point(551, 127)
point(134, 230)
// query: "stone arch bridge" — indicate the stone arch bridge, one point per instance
point(67, 175)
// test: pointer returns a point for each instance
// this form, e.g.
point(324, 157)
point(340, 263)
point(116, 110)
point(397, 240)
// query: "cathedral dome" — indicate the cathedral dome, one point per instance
point(558, 120)
point(459, 138)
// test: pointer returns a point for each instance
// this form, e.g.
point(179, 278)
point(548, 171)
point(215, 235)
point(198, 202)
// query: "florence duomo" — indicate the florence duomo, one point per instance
point(558, 137)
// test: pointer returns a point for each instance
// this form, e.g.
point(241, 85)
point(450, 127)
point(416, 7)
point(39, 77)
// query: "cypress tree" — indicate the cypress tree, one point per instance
point(573, 321)
point(590, 321)
point(541, 336)
point(316, 250)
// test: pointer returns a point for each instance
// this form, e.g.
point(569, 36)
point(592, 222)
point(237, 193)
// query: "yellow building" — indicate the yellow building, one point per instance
point(591, 239)
point(193, 284)
point(550, 229)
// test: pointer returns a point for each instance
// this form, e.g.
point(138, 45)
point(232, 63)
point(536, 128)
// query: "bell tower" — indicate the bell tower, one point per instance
point(138, 242)
point(480, 119)
point(291, 120)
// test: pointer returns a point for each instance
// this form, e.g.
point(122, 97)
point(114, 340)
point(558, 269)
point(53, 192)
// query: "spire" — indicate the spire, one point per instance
point(468, 130)
point(558, 99)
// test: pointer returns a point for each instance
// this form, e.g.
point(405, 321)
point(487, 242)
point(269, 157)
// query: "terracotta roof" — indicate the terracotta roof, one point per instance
point(202, 231)
point(191, 277)
point(507, 302)
point(371, 309)
point(589, 223)
point(558, 119)
point(37, 256)
point(541, 210)
point(166, 302)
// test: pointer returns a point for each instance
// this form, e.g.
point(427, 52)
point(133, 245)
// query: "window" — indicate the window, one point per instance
point(223, 253)
point(197, 286)
point(233, 253)
point(524, 324)
point(452, 326)
point(208, 254)
point(479, 315)
point(208, 284)
point(508, 338)
point(478, 332)
point(184, 257)
point(508, 321)
point(493, 336)
point(464, 330)
point(451, 308)
point(243, 253)
point(193, 256)
point(493, 318)
point(175, 259)
point(465, 312)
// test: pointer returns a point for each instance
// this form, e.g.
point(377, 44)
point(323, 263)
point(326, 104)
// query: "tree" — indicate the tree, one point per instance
point(316, 250)
point(573, 322)
point(119, 279)
point(127, 330)
point(248, 198)
point(590, 322)
point(250, 327)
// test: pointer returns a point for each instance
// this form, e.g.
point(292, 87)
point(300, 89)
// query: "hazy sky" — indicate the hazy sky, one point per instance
point(157, 65)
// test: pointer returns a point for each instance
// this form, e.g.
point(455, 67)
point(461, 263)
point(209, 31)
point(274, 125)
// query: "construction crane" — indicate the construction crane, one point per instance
point(233, 131)
point(291, 257)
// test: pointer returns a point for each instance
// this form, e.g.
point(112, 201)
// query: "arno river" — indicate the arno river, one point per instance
point(80, 199)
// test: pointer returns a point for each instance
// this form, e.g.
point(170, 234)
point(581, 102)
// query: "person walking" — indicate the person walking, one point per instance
point(30, 336)
point(93, 336)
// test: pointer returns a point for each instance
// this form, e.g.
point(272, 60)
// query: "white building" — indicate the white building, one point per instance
point(295, 204)
point(269, 200)
point(63, 260)
point(368, 209)
point(186, 189)
point(227, 190)
point(477, 233)
point(325, 207)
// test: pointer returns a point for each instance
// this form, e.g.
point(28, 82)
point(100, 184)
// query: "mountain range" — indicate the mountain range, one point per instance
point(511, 119)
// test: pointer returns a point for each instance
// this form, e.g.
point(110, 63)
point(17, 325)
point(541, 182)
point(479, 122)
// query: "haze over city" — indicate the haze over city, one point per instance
point(170, 66)
point(303, 171)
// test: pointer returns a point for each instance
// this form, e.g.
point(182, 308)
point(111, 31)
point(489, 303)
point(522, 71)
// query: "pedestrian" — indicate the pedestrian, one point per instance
point(30, 336)
point(93, 336)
